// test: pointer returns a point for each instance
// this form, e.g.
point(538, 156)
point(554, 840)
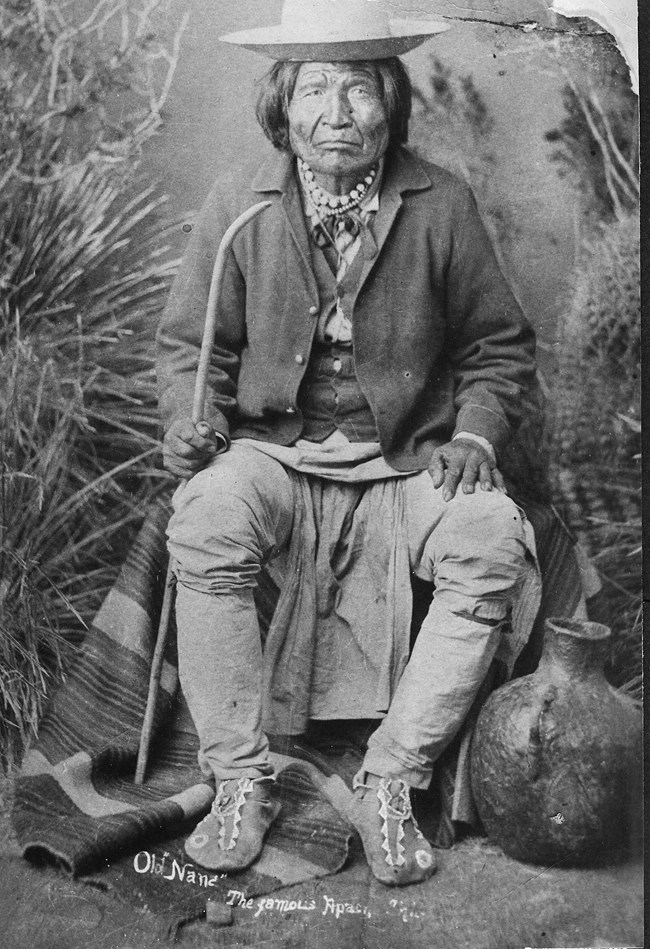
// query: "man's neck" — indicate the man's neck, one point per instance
point(372, 191)
point(339, 184)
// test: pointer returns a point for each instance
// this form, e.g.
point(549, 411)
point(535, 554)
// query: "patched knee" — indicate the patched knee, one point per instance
point(491, 507)
point(485, 521)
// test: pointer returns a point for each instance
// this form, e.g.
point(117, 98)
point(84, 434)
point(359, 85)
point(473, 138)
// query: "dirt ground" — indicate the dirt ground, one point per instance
point(479, 899)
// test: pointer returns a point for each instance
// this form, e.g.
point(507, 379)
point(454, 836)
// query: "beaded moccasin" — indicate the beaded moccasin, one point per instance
point(396, 850)
point(232, 835)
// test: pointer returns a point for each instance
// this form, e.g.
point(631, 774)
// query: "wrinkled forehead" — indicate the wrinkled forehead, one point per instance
point(335, 72)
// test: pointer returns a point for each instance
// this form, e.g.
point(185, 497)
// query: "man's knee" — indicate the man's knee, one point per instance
point(479, 547)
point(488, 521)
point(229, 518)
point(477, 555)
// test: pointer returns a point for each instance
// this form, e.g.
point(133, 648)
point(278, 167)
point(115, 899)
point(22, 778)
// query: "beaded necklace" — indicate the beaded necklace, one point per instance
point(333, 205)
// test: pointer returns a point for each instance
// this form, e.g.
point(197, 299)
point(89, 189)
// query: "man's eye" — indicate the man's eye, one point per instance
point(311, 92)
point(361, 92)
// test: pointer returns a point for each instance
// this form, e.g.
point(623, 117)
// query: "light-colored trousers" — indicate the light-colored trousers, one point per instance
point(233, 516)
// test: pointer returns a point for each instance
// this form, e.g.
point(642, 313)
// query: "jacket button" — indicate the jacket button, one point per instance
point(313, 310)
point(299, 359)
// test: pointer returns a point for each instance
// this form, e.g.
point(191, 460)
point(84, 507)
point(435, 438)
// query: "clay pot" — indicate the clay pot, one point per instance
point(556, 755)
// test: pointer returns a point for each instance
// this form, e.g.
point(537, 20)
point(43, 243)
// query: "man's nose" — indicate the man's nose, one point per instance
point(338, 109)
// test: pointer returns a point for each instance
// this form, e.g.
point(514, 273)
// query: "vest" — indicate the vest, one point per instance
point(330, 397)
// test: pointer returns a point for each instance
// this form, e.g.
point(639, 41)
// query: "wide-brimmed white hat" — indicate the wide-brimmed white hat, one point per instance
point(336, 31)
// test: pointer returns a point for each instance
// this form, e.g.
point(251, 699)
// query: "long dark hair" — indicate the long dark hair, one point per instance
point(277, 89)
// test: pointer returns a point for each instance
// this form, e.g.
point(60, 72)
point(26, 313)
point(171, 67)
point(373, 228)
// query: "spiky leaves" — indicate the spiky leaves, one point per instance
point(83, 277)
point(596, 430)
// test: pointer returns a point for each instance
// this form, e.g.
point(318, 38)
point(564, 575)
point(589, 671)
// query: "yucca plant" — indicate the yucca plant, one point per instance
point(595, 412)
point(82, 284)
point(84, 267)
point(83, 278)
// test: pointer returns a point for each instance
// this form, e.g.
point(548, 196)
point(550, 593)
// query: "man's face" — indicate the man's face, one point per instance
point(337, 120)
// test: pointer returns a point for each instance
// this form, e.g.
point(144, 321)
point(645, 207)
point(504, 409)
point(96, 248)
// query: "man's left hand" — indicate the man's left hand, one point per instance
point(464, 462)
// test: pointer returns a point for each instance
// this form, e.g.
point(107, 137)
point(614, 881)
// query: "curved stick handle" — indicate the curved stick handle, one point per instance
point(209, 330)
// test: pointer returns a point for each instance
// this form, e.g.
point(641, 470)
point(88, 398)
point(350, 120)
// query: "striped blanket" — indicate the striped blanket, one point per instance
point(76, 801)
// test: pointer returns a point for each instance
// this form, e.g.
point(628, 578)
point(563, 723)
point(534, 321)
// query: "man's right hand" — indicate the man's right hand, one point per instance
point(188, 447)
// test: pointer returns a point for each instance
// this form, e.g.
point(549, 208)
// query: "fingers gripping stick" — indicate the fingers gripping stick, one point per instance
point(198, 411)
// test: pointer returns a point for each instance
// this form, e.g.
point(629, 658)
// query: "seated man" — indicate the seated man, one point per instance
point(365, 336)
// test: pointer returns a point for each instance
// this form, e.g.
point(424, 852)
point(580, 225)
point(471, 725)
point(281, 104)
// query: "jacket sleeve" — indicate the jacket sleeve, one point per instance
point(489, 342)
point(179, 335)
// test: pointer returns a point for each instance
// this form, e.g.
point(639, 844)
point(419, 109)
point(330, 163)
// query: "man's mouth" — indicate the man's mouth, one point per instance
point(336, 143)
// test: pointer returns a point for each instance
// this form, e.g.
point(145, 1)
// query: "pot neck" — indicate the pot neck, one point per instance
point(578, 647)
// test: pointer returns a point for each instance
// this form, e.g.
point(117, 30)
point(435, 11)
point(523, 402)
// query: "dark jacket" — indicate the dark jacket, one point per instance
point(440, 343)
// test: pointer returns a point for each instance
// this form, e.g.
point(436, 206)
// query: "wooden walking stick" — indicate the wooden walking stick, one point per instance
point(198, 409)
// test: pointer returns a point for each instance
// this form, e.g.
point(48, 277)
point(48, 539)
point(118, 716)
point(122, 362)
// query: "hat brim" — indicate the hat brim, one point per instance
point(276, 42)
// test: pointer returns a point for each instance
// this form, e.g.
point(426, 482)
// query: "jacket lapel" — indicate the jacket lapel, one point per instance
point(292, 205)
point(277, 174)
point(389, 204)
point(402, 173)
